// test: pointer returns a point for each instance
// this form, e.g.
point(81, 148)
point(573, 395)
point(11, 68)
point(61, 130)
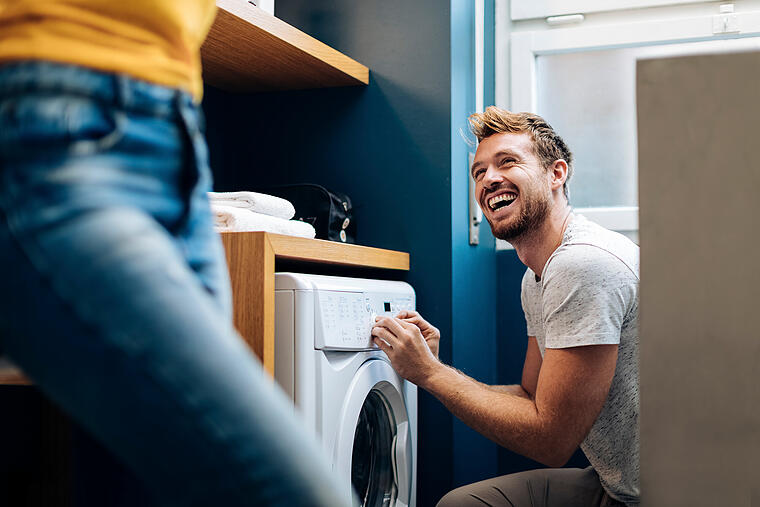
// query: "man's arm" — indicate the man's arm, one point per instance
point(527, 389)
point(531, 367)
point(570, 390)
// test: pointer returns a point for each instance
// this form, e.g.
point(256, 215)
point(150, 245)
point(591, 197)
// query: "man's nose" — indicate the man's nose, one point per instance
point(492, 177)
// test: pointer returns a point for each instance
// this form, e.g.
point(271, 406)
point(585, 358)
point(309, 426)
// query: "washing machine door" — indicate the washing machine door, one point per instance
point(374, 444)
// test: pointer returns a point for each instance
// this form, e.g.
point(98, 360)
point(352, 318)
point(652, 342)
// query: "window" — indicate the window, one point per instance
point(581, 77)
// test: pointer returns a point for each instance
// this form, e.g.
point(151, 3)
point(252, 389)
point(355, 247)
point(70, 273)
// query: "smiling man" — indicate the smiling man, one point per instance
point(580, 382)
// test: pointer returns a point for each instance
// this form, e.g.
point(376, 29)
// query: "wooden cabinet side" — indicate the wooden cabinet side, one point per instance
point(250, 259)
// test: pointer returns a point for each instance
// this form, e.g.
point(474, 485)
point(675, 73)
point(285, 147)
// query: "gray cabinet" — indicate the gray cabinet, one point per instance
point(699, 174)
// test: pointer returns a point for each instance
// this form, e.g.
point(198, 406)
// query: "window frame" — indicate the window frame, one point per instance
point(531, 9)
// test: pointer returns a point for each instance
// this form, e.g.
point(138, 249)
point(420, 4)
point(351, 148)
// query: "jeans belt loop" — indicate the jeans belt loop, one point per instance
point(180, 107)
point(123, 91)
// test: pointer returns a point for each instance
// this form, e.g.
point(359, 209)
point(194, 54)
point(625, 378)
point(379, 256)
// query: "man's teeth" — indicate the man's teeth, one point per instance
point(501, 200)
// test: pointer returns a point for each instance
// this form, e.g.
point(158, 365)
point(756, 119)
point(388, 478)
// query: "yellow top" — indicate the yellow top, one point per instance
point(153, 40)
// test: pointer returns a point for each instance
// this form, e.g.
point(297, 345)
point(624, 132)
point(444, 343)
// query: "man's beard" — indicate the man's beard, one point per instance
point(535, 209)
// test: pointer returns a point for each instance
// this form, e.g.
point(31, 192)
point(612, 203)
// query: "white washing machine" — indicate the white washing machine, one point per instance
point(344, 387)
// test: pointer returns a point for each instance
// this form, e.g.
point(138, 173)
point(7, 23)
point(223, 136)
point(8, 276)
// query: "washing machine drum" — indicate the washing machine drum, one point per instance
point(381, 456)
point(372, 456)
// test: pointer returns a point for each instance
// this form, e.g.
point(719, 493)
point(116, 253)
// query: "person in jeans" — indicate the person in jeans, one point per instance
point(116, 298)
point(580, 379)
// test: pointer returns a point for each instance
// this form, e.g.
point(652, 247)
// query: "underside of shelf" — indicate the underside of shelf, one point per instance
point(10, 375)
point(250, 50)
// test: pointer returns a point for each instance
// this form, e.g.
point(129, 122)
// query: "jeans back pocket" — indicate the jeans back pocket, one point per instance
point(36, 123)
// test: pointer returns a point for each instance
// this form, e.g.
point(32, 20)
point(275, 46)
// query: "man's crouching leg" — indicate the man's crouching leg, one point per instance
point(550, 487)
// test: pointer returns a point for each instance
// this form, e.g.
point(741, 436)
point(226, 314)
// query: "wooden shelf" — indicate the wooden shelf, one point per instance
point(250, 50)
point(251, 260)
point(331, 252)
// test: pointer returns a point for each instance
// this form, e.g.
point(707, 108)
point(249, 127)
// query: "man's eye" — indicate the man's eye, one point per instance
point(506, 161)
point(478, 174)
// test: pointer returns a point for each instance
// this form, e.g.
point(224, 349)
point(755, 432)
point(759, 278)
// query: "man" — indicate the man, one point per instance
point(580, 298)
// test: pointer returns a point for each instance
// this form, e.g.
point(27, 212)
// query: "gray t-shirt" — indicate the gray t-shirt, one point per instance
point(588, 294)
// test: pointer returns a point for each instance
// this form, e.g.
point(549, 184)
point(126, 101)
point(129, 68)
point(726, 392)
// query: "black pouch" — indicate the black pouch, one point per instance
point(329, 212)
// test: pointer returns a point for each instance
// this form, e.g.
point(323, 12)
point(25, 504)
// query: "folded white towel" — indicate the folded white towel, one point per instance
point(231, 219)
point(260, 203)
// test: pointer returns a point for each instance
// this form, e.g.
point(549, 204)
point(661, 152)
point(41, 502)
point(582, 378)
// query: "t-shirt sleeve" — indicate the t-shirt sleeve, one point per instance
point(587, 293)
point(530, 298)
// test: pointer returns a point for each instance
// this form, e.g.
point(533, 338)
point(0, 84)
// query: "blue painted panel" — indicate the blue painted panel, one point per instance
point(489, 53)
point(474, 304)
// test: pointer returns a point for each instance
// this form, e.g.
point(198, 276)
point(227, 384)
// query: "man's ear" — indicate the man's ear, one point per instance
point(558, 174)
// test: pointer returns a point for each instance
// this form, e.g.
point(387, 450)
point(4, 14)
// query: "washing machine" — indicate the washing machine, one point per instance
point(343, 387)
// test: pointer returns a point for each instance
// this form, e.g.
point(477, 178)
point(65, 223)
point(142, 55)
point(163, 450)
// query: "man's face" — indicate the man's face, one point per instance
point(511, 185)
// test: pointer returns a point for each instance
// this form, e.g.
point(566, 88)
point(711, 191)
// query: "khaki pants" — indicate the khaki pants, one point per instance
point(550, 487)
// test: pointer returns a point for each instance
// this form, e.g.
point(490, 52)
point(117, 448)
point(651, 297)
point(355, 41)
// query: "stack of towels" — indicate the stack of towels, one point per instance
point(251, 211)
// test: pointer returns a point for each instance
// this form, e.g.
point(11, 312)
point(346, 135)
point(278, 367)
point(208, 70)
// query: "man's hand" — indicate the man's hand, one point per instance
point(430, 333)
point(406, 347)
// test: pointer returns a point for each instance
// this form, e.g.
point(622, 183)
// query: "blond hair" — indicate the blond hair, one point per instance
point(548, 146)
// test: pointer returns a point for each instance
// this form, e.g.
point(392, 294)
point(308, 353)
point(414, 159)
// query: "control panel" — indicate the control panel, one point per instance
point(345, 319)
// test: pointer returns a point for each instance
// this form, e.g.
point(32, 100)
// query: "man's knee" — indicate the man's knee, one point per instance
point(505, 490)
point(458, 497)
point(571, 487)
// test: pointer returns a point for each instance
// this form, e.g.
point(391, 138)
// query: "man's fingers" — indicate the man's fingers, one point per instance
point(380, 331)
point(382, 345)
point(416, 319)
point(393, 325)
point(416, 322)
point(409, 326)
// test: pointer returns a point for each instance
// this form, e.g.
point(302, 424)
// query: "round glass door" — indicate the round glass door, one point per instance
point(373, 445)
point(372, 458)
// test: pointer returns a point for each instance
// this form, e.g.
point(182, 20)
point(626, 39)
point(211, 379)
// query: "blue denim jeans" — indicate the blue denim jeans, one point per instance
point(115, 298)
